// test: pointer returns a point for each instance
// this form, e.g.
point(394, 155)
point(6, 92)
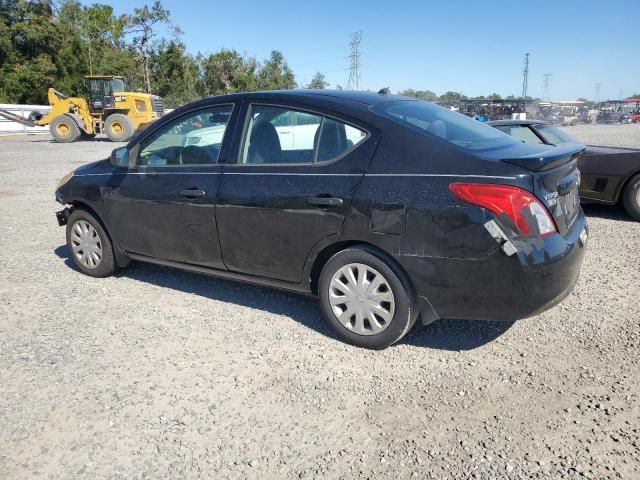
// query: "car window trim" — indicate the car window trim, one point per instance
point(136, 148)
point(529, 127)
point(539, 134)
point(315, 163)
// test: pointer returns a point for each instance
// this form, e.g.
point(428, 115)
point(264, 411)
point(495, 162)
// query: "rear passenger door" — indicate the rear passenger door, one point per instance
point(287, 186)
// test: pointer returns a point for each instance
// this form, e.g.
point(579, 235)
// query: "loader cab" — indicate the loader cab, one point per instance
point(101, 92)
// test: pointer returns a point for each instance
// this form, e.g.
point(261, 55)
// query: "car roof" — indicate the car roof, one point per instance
point(497, 123)
point(365, 98)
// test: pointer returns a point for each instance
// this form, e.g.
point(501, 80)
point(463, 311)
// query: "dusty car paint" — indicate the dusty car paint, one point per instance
point(258, 223)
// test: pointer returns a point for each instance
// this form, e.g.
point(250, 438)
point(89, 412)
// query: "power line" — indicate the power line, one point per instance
point(546, 93)
point(355, 74)
point(525, 75)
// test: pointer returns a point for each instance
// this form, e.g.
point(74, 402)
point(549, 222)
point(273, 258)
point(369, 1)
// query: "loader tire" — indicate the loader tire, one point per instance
point(63, 129)
point(118, 127)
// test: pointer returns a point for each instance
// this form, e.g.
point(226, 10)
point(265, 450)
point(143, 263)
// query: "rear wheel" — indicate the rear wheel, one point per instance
point(631, 197)
point(90, 245)
point(118, 127)
point(365, 300)
point(64, 129)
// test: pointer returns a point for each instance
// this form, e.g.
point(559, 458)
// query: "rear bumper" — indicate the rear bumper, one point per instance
point(500, 287)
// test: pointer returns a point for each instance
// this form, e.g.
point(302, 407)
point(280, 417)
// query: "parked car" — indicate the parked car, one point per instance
point(397, 209)
point(610, 175)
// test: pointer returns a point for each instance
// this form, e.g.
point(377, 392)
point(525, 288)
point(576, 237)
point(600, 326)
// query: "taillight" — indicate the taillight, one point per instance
point(521, 206)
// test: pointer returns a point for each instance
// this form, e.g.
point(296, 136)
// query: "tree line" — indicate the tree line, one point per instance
point(449, 96)
point(45, 44)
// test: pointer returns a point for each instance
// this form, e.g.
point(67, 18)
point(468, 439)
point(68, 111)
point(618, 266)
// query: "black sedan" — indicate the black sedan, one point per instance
point(610, 175)
point(386, 208)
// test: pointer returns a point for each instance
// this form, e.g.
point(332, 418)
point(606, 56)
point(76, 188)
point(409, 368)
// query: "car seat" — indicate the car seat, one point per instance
point(264, 145)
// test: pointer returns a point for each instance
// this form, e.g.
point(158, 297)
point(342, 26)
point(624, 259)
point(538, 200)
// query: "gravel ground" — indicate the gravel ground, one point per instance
point(627, 135)
point(159, 373)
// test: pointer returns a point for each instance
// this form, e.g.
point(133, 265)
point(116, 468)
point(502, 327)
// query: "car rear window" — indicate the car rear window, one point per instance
point(451, 126)
point(554, 135)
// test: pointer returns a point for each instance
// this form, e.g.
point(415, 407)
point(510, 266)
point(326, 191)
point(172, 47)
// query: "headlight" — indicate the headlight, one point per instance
point(65, 179)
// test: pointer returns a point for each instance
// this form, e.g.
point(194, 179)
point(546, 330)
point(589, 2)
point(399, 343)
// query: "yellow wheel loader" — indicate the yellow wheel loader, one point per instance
point(110, 109)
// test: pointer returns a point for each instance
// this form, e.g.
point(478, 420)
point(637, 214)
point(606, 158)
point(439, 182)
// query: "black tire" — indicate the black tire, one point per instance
point(631, 197)
point(118, 127)
point(64, 129)
point(107, 264)
point(404, 314)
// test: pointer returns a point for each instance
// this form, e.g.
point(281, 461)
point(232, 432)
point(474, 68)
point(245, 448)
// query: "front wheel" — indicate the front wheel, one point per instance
point(631, 197)
point(64, 129)
point(365, 299)
point(90, 245)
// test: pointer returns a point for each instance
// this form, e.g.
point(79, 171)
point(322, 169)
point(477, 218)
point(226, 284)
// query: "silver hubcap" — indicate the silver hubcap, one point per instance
point(638, 197)
point(86, 244)
point(361, 299)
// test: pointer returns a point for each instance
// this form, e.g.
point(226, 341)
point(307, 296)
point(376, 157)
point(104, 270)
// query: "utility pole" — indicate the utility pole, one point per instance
point(355, 73)
point(546, 93)
point(598, 85)
point(525, 78)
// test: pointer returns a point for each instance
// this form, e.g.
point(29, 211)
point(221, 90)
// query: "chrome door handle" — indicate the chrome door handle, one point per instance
point(325, 201)
point(192, 193)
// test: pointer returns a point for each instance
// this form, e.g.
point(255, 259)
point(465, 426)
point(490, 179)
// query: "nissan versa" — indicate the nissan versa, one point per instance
point(388, 209)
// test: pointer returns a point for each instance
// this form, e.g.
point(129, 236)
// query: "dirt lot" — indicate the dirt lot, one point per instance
point(163, 374)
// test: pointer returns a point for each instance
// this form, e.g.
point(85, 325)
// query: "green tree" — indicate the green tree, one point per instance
point(318, 82)
point(275, 74)
point(37, 51)
point(227, 71)
point(426, 95)
point(142, 25)
point(174, 73)
point(102, 36)
point(494, 96)
point(451, 95)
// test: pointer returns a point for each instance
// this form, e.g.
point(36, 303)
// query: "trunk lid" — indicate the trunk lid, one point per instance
point(556, 179)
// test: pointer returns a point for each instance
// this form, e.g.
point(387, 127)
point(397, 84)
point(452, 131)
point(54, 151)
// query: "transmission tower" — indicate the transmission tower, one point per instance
point(525, 78)
point(546, 93)
point(598, 85)
point(355, 70)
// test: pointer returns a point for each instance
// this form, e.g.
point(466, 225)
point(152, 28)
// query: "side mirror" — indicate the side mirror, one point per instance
point(120, 157)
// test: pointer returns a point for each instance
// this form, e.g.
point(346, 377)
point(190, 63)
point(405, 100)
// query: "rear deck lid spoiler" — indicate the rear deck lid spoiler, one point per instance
point(548, 159)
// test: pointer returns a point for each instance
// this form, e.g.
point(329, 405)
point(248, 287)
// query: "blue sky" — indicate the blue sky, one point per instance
point(476, 47)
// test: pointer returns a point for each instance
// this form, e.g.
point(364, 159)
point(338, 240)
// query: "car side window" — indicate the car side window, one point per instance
point(278, 135)
point(520, 132)
point(192, 139)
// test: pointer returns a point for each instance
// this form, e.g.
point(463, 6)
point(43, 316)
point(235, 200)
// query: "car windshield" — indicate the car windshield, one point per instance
point(554, 135)
point(446, 124)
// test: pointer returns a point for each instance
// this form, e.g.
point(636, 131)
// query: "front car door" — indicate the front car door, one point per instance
point(287, 187)
point(163, 207)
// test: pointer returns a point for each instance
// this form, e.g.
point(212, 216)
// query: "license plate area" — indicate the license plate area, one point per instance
point(570, 204)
